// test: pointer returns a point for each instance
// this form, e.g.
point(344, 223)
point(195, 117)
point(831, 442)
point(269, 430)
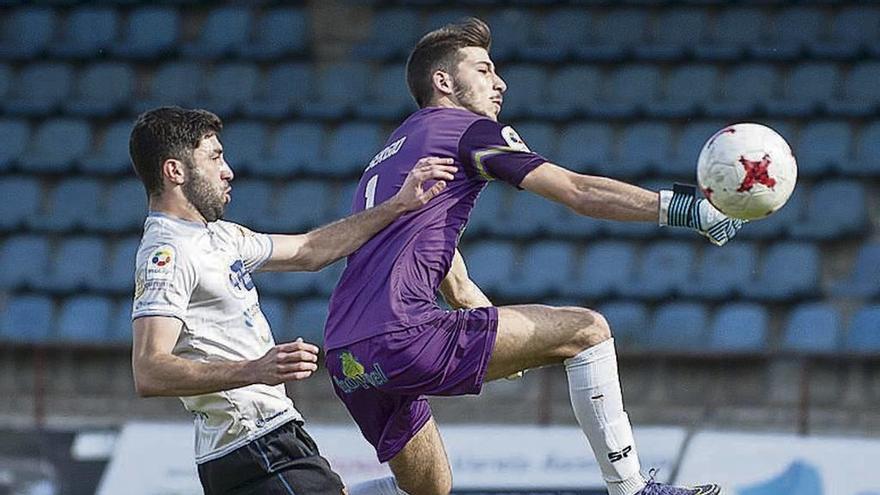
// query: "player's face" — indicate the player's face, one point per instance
point(207, 185)
point(477, 86)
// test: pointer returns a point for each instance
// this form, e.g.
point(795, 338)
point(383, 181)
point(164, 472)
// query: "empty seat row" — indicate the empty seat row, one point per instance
point(151, 31)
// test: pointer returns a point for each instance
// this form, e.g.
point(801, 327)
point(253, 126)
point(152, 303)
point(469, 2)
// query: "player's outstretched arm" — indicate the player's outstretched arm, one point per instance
point(157, 372)
point(321, 247)
point(602, 197)
point(459, 291)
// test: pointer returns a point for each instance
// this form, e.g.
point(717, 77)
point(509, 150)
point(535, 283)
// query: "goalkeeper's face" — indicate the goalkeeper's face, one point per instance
point(207, 179)
point(476, 85)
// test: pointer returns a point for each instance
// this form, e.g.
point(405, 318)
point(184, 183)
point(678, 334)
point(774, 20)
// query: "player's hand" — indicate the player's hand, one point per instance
point(285, 362)
point(681, 208)
point(412, 194)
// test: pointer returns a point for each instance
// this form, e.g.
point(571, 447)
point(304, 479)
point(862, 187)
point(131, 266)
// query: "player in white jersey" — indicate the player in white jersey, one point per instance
point(198, 330)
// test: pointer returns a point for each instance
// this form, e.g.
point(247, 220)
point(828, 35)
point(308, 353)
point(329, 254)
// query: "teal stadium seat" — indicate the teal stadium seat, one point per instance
point(739, 327)
point(57, 145)
point(174, 83)
point(585, 147)
point(546, 271)
point(39, 89)
point(853, 30)
point(863, 335)
point(511, 30)
point(490, 209)
point(403, 22)
point(556, 35)
point(643, 147)
point(860, 96)
point(682, 162)
point(335, 96)
point(787, 271)
point(303, 205)
point(734, 31)
point(861, 280)
point(805, 90)
point(867, 160)
point(223, 32)
point(245, 146)
point(275, 311)
point(120, 324)
point(527, 215)
point(109, 151)
point(837, 208)
point(388, 97)
point(280, 32)
point(686, 91)
point(14, 136)
point(124, 208)
point(150, 32)
point(615, 33)
point(812, 328)
point(22, 196)
point(282, 91)
point(69, 206)
point(673, 34)
point(31, 255)
point(628, 321)
point(27, 318)
point(628, 90)
point(26, 32)
point(606, 270)
point(823, 146)
point(350, 149)
point(664, 269)
point(84, 319)
point(795, 28)
point(119, 268)
point(294, 146)
point(777, 225)
point(251, 202)
point(745, 90)
point(723, 274)
point(679, 327)
point(101, 90)
point(229, 88)
point(490, 264)
point(561, 102)
point(87, 32)
point(77, 264)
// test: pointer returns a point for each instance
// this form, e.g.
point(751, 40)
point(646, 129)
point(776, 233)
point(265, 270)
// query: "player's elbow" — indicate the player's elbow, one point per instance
point(146, 384)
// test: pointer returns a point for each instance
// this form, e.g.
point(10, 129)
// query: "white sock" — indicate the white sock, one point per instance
point(381, 486)
point(594, 387)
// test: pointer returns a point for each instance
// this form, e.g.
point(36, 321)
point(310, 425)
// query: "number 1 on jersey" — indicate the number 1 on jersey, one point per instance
point(370, 191)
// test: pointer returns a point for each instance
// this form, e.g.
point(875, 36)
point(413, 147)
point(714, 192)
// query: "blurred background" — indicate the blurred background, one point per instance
point(774, 338)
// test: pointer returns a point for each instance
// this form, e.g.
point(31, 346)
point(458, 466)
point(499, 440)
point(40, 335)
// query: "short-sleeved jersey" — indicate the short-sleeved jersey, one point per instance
point(391, 282)
point(200, 274)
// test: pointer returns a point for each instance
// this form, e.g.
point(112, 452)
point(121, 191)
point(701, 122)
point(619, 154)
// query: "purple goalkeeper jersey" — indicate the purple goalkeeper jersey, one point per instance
point(391, 282)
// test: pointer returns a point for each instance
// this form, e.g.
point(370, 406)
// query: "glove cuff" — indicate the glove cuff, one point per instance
point(677, 206)
point(665, 200)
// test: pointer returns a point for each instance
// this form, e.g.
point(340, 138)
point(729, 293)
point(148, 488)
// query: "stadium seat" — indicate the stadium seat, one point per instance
point(124, 208)
point(70, 205)
point(691, 138)
point(6, 77)
point(26, 32)
point(567, 223)
point(294, 146)
point(527, 215)
point(84, 319)
point(302, 205)
point(87, 32)
point(562, 103)
point(39, 89)
point(57, 145)
point(490, 264)
point(245, 146)
point(109, 153)
point(21, 199)
point(739, 327)
point(101, 90)
point(788, 270)
point(686, 90)
point(556, 35)
point(78, 263)
point(806, 89)
point(539, 137)
point(867, 160)
point(745, 90)
point(863, 335)
point(678, 326)
point(586, 147)
point(31, 255)
point(389, 97)
point(403, 22)
point(615, 33)
point(511, 30)
point(280, 32)
point(275, 311)
point(642, 147)
point(174, 83)
point(307, 319)
point(546, 270)
point(329, 277)
point(351, 147)
point(251, 202)
point(725, 273)
point(673, 34)
point(812, 328)
point(27, 318)
point(119, 326)
point(836, 208)
point(606, 270)
point(854, 29)
point(151, 31)
point(225, 29)
point(525, 90)
point(335, 95)
point(229, 88)
point(282, 90)
point(628, 91)
point(489, 210)
point(861, 279)
point(664, 269)
point(794, 27)
point(14, 136)
point(119, 269)
point(860, 95)
point(822, 147)
point(628, 321)
point(732, 33)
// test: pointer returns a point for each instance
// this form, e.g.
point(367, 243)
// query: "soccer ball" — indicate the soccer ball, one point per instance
point(747, 171)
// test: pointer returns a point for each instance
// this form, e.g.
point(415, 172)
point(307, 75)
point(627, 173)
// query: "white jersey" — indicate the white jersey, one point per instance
point(200, 274)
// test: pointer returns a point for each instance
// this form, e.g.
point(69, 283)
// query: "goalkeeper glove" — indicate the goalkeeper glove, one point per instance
point(680, 207)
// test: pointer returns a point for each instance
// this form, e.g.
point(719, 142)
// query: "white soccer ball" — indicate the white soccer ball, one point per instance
point(747, 171)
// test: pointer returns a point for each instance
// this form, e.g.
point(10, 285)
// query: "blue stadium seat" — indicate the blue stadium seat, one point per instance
point(628, 90)
point(78, 263)
point(615, 34)
point(275, 311)
point(796, 27)
point(285, 284)
point(245, 145)
point(328, 277)
point(14, 136)
point(739, 327)
point(606, 270)
point(119, 269)
point(490, 209)
point(490, 264)
point(294, 145)
point(678, 326)
point(119, 326)
point(335, 95)
point(723, 273)
point(57, 145)
point(280, 32)
point(123, 209)
point(867, 161)
point(251, 202)
point(307, 319)
point(540, 137)
point(6, 77)
point(21, 199)
point(556, 35)
point(686, 90)
point(150, 32)
point(569, 224)
point(26, 32)
point(527, 215)
point(861, 280)
point(389, 97)
point(734, 31)
point(39, 89)
point(546, 270)
point(301, 206)
point(861, 95)
point(822, 147)
point(525, 90)
point(746, 89)
point(88, 31)
point(110, 151)
point(229, 88)
point(683, 161)
point(70, 205)
point(27, 318)
point(664, 269)
point(628, 321)
point(806, 89)
point(854, 28)
point(174, 83)
point(562, 103)
point(350, 149)
point(586, 147)
point(673, 34)
point(101, 90)
point(31, 255)
point(341, 200)
point(863, 335)
point(225, 30)
point(403, 22)
point(642, 147)
point(84, 319)
point(837, 208)
point(283, 89)
point(788, 270)
point(812, 328)
point(511, 30)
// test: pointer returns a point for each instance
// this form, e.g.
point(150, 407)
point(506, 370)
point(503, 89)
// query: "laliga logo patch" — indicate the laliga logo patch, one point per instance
point(513, 140)
point(240, 281)
point(160, 265)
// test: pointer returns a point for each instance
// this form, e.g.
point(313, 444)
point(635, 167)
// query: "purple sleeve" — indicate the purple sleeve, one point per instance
point(494, 151)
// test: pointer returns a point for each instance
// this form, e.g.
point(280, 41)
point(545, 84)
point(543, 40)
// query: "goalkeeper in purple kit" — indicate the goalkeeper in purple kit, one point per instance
point(390, 345)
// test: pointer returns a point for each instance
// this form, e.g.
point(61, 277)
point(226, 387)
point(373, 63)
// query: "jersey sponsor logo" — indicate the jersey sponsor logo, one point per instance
point(386, 153)
point(513, 140)
point(355, 376)
point(240, 281)
point(160, 265)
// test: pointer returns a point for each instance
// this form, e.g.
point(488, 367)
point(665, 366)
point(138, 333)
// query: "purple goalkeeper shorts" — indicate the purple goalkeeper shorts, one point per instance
point(383, 380)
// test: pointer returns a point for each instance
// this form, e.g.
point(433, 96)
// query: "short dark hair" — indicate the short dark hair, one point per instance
point(439, 49)
point(167, 132)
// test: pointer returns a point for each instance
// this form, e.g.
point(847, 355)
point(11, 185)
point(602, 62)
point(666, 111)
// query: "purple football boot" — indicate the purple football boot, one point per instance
point(655, 488)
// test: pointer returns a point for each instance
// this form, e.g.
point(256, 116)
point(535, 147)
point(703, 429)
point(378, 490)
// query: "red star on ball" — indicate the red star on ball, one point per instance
point(756, 173)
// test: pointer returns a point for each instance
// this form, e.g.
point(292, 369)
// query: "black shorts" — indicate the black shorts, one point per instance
point(285, 461)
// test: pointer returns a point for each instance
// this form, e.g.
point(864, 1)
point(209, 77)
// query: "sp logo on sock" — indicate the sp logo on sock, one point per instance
point(621, 454)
